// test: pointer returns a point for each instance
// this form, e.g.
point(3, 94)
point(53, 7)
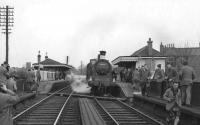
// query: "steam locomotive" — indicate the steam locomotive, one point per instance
point(99, 76)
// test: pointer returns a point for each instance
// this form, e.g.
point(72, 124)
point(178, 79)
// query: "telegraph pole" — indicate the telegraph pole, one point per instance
point(6, 21)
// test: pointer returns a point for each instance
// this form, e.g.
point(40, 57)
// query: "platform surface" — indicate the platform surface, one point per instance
point(45, 86)
point(89, 114)
point(194, 111)
point(126, 88)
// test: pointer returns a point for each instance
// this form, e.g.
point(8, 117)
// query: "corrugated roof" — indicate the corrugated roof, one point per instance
point(143, 52)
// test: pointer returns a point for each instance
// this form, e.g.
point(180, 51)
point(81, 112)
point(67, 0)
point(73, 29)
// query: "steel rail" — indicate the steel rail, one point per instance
point(114, 120)
point(89, 96)
point(59, 115)
point(143, 114)
point(36, 104)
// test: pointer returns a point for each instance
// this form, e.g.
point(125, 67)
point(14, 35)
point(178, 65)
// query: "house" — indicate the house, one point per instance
point(146, 55)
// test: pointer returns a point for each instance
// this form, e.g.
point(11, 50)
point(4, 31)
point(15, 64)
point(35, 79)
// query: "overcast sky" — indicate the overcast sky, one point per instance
point(80, 28)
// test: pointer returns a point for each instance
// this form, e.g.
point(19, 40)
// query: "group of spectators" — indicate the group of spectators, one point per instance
point(60, 75)
point(139, 78)
point(8, 89)
point(32, 80)
point(175, 86)
point(8, 96)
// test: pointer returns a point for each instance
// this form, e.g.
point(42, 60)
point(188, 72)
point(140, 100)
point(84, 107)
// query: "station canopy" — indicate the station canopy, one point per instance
point(124, 61)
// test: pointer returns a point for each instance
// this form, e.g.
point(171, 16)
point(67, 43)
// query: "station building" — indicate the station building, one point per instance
point(52, 67)
point(146, 55)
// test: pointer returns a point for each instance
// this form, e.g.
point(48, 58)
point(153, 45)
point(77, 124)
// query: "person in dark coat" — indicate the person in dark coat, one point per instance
point(144, 74)
point(159, 76)
point(129, 76)
point(187, 76)
point(136, 80)
point(29, 80)
point(121, 75)
point(171, 75)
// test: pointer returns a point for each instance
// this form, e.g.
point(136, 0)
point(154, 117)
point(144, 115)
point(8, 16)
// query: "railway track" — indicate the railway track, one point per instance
point(71, 113)
point(122, 114)
point(45, 112)
point(65, 110)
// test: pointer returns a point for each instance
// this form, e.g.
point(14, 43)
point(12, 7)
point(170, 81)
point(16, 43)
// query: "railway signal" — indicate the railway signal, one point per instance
point(6, 21)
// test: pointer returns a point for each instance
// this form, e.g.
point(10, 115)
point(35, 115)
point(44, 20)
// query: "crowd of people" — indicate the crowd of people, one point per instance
point(8, 90)
point(8, 96)
point(32, 80)
point(175, 86)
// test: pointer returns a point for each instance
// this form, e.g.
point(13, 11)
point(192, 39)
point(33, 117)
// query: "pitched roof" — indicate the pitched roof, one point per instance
point(143, 52)
point(51, 62)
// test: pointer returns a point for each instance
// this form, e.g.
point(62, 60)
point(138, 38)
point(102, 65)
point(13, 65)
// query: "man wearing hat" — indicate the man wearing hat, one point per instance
point(159, 77)
point(144, 75)
point(187, 76)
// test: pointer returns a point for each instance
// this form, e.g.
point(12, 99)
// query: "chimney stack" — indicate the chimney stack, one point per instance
point(46, 57)
point(161, 48)
point(39, 57)
point(150, 47)
point(67, 60)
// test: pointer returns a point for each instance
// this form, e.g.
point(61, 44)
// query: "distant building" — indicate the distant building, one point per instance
point(146, 55)
point(51, 65)
point(175, 56)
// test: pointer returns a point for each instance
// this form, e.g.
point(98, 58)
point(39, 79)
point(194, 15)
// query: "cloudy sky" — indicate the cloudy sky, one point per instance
point(80, 28)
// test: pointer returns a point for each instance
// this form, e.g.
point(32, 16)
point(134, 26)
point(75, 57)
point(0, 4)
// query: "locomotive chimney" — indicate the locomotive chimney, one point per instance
point(102, 54)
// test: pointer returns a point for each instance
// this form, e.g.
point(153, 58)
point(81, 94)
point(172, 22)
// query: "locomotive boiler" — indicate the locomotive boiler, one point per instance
point(99, 76)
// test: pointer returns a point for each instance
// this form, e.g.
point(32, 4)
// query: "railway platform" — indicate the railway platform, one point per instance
point(189, 115)
point(126, 89)
point(46, 86)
